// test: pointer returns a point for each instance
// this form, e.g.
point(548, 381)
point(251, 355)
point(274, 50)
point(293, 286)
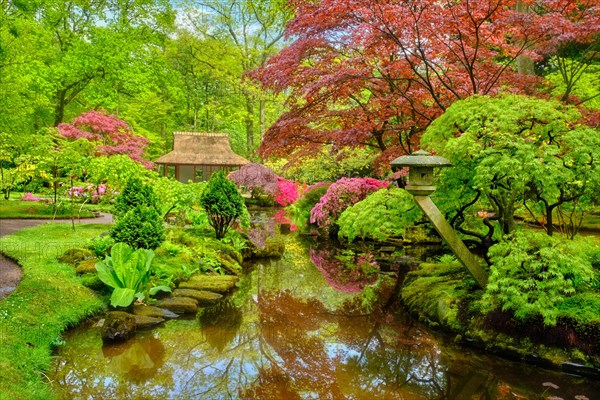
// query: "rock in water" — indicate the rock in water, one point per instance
point(182, 305)
point(155, 312)
point(143, 322)
point(118, 326)
point(212, 283)
point(203, 297)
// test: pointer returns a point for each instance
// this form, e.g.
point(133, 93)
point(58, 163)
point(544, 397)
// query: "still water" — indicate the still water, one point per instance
point(289, 333)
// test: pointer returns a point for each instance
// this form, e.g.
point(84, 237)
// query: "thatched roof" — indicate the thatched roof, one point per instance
point(197, 148)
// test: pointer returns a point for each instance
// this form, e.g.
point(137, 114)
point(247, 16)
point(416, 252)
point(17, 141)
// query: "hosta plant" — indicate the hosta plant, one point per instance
point(127, 271)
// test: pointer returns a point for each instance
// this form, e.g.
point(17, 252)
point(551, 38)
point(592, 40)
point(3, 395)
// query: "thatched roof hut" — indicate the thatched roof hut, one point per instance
point(196, 156)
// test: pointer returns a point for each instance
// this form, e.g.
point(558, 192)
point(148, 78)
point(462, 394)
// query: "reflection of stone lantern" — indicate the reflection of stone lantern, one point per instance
point(420, 173)
point(420, 177)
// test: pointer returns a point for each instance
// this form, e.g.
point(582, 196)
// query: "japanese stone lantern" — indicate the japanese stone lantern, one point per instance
point(420, 177)
point(420, 173)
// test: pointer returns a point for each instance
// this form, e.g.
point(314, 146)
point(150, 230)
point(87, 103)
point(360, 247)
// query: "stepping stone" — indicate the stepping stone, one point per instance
point(155, 312)
point(213, 283)
point(143, 322)
point(180, 305)
point(204, 297)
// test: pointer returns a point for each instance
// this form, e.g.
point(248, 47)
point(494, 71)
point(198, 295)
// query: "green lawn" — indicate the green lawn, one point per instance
point(49, 299)
point(37, 209)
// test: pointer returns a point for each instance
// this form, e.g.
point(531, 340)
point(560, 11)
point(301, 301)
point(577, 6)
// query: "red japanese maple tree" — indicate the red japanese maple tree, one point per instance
point(377, 72)
point(110, 134)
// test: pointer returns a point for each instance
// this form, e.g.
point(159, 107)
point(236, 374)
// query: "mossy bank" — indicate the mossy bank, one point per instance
point(446, 298)
point(49, 299)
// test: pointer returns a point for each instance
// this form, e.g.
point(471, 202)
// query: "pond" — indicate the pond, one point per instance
point(288, 333)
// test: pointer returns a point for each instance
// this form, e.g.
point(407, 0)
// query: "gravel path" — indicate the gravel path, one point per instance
point(10, 271)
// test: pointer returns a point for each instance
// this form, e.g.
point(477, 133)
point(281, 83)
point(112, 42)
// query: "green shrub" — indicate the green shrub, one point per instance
point(379, 216)
point(127, 271)
point(300, 210)
point(101, 245)
point(533, 273)
point(135, 194)
point(223, 203)
point(141, 228)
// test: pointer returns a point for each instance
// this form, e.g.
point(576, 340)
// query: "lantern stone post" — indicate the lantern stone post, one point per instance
point(420, 178)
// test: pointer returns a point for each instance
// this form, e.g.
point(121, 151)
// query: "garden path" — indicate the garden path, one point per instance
point(10, 271)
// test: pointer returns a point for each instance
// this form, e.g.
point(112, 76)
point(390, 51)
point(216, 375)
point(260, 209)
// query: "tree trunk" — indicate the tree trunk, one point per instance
point(249, 125)
point(524, 63)
point(59, 110)
point(262, 117)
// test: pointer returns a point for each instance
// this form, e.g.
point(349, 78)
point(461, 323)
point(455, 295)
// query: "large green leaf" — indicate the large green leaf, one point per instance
point(160, 288)
point(107, 275)
point(122, 297)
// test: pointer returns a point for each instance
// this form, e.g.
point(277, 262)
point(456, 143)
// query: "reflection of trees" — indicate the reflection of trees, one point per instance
point(339, 275)
point(318, 354)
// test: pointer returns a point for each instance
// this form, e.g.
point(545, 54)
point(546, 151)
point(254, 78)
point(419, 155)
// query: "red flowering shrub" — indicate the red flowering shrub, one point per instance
point(110, 134)
point(341, 195)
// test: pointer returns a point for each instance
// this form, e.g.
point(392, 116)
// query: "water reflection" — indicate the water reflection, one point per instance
point(283, 336)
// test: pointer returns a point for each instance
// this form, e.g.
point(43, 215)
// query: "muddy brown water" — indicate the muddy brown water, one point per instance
point(285, 335)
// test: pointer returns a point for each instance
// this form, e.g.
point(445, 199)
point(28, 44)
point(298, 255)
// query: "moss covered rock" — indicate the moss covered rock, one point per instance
point(274, 248)
point(213, 283)
point(180, 305)
point(76, 255)
point(86, 267)
point(204, 297)
point(435, 293)
point(145, 322)
point(151, 311)
point(118, 326)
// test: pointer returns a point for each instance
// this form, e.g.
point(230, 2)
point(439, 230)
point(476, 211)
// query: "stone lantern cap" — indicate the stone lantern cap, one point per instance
point(421, 158)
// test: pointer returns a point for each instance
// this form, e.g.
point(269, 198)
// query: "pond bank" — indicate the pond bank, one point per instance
point(443, 297)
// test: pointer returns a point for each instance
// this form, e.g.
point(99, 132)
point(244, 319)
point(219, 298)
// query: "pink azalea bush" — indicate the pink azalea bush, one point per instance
point(348, 276)
point(110, 134)
point(287, 192)
point(341, 195)
point(29, 197)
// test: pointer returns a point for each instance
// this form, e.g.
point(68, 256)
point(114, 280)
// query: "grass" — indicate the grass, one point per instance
point(38, 209)
point(49, 299)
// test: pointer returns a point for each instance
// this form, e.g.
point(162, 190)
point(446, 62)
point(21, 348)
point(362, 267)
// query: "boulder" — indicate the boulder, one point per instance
point(213, 283)
point(143, 322)
point(86, 267)
point(204, 297)
point(180, 305)
point(118, 326)
point(151, 311)
point(75, 255)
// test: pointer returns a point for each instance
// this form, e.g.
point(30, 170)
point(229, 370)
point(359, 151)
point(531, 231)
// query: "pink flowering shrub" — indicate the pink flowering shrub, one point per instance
point(341, 195)
point(29, 197)
point(256, 178)
point(346, 273)
point(110, 134)
point(287, 192)
point(90, 192)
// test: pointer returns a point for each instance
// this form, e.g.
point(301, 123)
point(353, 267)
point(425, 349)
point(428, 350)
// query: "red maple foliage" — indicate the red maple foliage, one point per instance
point(378, 72)
point(110, 134)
